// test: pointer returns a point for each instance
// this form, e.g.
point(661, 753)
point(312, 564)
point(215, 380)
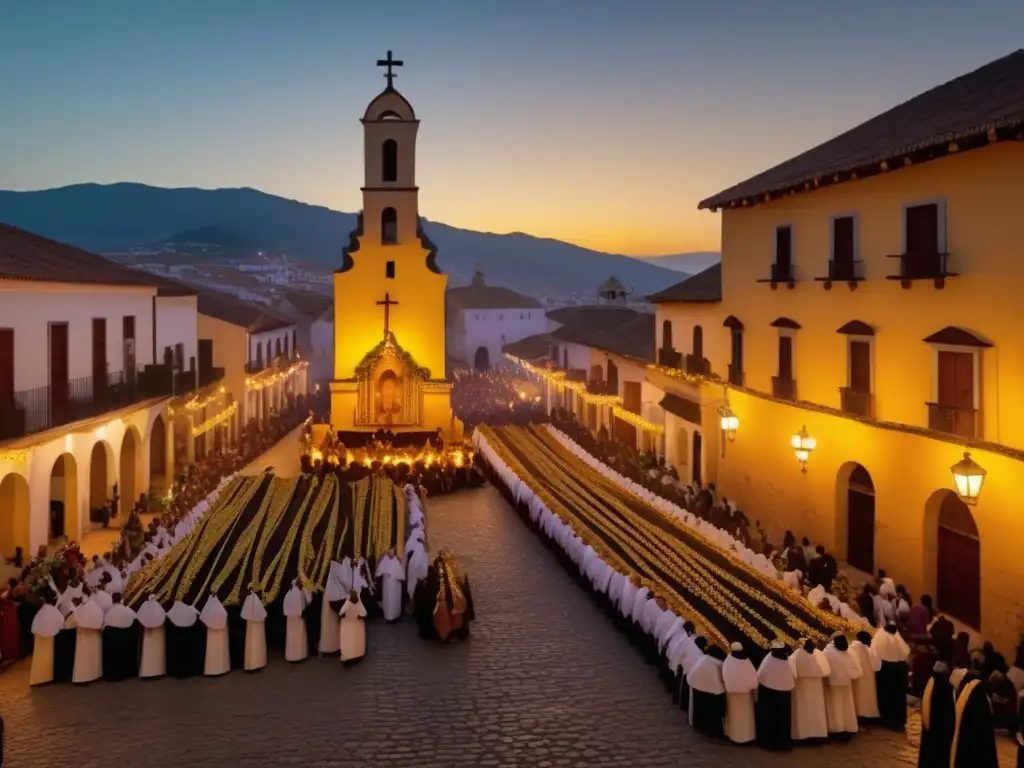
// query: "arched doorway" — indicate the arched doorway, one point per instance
point(158, 455)
point(130, 463)
point(14, 516)
point(101, 475)
point(482, 359)
point(958, 562)
point(860, 520)
point(64, 498)
point(698, 449)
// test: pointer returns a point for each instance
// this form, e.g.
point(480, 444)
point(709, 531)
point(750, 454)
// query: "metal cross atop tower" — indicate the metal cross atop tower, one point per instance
point(387, 304)
point(389, 63)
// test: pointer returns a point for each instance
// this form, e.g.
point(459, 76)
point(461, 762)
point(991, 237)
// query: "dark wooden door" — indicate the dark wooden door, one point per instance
point(860, 524)
point(842, 247)
point(698, 342)
point(736, 374)
point(956, 391)
point(128, 333)
point(696, 457)
point(959, 576)
point(99, 356)
point(613, 377)
point(922, 231)
point(860, 366)
point(6, 368)
point(632, 396)
point(783, 247)
point(786, 358)
point(59, 382)
point(666, 334)
point(205, 354)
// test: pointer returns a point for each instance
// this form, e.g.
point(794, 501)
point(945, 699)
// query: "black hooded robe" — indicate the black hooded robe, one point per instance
point(64, 643)
point(974, 738)
point(938, 720)
point(185, 649)
point(121, 652)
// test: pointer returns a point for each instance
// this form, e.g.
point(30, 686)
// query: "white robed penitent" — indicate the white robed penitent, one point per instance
point(808, 703)
point(865, 688)
point(296, 644)
point(154, 656)
point(45, 626)
point(705, 676)
point(339, 584)
point(255, 616)
point(417, 568)
point(218, 650)
point(740, 679)
point(392, 574)
point(87, 620)
point(840, 707)
point(352, 635)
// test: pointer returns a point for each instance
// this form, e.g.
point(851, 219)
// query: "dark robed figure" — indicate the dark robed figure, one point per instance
point(938, 719)
point(443, 602)
point(974, 738)
point(776, 682)
point(893, 677)
point(122, 640)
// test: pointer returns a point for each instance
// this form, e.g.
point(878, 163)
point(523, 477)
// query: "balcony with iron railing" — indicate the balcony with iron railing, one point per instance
point(699, 366)
point(30, 411)
point(953, 420)
point(784, 388)
point(922, 265)
point(670, 358)
point(781, 273)
point(842, 271)
point(855, 402)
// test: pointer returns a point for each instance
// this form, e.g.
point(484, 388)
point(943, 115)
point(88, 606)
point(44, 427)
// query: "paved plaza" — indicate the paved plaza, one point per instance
point(544, 681)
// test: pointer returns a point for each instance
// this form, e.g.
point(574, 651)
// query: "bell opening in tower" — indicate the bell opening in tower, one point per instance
point(389, 226)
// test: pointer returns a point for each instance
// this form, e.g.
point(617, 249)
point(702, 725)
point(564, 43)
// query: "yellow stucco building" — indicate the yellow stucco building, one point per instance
point(869, 292)
point(389, 294)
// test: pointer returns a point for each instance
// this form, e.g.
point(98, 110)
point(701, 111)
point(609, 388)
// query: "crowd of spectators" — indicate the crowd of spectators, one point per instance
point(495, 397)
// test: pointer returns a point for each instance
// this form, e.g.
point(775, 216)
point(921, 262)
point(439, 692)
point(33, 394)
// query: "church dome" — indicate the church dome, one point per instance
point(389, 105)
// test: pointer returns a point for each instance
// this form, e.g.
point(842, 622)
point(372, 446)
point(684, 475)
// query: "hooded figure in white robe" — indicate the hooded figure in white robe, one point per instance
point(675, 651)
point(840, 706)
point(740, 680)
point(808, 702)
point(893, 677)
point(254, 614)
point(693, 652)
point(865, 690)
point(102, 598)
point(353, 629)
point(87, 621)
point(776, 682)
point(152, 616)
point(339, 584)
point(218, 649)
point(391, 575)
point(120, 642)
point(296, 644)
point(707, 694)
point(416, 569)
point(45, 626)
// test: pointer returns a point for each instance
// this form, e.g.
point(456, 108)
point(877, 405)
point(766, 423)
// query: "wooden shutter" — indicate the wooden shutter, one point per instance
point(783, 246)
point(922, 231)
point(956, 379)
point(632, 396)
point(99, 351)
point(6, 365)
point(59, 384)
point(786, 358)
point(842, 241)
point(860, 366)
point(698, 342)
point(666, 334)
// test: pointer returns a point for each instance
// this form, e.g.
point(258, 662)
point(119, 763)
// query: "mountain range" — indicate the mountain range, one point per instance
point(115, 218)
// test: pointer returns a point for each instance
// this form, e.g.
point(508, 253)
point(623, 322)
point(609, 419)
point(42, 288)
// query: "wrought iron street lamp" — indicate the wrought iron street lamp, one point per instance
point(968, 478)
point(729, 421)
point(803, 446)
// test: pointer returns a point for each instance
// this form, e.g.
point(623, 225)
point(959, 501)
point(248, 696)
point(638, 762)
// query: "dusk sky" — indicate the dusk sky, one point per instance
point(601, 123)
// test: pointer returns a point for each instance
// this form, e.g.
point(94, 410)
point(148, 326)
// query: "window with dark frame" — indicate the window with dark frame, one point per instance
point(389, 226)
point(782, 270)
point(389, 160)
point(389, 269)
point(842, 248)
point(922, 239)
point(736, 358)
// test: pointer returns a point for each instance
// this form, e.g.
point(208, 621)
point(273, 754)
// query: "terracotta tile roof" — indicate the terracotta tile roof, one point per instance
point(974, 109)
point(531, 348)
point(593, 316)
point(703, 287)
point(255, 318)
point(311, 304)
point(479, 295)
point(27, 256)
point(632, 338)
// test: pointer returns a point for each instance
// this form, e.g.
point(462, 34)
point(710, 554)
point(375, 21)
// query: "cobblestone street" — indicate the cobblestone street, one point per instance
point(544, 681)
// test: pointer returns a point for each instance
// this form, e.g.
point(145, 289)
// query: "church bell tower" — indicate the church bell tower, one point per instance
point(389, 294)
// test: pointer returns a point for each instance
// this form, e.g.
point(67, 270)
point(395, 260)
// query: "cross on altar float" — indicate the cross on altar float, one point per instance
point(387, 304)
point(389, 63)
